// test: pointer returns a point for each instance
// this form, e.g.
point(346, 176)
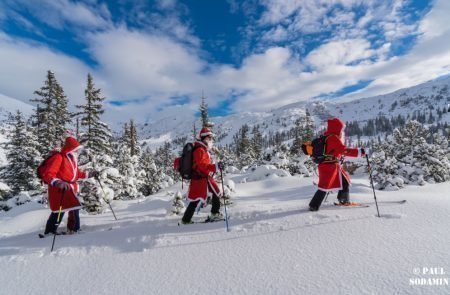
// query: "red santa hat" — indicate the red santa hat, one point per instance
point(205, 132)
point(71, 144)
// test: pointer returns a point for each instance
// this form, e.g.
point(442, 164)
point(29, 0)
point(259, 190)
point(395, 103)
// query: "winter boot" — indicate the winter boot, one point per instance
point(215, 216)
point(317, 200)
point(343, 198)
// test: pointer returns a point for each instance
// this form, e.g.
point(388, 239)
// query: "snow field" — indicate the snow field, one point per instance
point(275, 245)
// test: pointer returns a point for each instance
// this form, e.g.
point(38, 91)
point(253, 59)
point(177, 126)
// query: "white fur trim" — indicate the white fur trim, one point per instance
point(359, 152)
point(74, 164)
point(206, 134)
point(217, 193)
point(201, 199)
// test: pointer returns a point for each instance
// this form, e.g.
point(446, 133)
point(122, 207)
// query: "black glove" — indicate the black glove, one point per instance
point(221, 165)
point(94, 174)
point(62, 185)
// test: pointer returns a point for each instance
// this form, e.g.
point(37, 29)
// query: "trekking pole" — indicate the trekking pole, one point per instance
point(371, 182)
point(326, 197)
point(57, 220)
point(104, 195)
point(224, 201)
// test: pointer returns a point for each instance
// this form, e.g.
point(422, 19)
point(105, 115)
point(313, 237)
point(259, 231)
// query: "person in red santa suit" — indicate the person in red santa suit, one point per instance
point(202, 181)
point(61, 175)
point(331, 174)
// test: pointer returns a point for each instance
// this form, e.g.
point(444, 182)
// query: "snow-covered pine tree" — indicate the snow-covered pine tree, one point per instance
point(435, 159)
point(406, 158)
point(51, 115)
point(257, 143)
point(245, 148)
point(308, 127)
point(177, 204)
point(298, 139)
point(149, 177)
point(127, 188)
point(134, 145)
point(23, 158)
point(164, 160)
point(61, 114)
point(204, 112)
point(96, 136)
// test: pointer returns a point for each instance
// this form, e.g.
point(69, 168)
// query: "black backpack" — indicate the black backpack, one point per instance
point(186, 161)
point(316, 149)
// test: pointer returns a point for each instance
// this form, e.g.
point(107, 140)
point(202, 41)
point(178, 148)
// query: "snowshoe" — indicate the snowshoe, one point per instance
point(51, 234)
point(215, 217)
point(350, 204)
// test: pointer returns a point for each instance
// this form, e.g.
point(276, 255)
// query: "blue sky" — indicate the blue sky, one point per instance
point(248, 55)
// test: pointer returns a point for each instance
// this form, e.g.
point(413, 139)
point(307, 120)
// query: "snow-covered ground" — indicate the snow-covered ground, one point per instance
point(275, 245)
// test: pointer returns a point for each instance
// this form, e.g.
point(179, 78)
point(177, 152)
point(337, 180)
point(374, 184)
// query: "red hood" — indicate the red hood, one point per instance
point(200, 144)
point(335, 126)
point(70, 145)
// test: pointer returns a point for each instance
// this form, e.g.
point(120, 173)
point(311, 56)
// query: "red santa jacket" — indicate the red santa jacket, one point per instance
point(64, 166)
point(330, 173)
point(202, 174)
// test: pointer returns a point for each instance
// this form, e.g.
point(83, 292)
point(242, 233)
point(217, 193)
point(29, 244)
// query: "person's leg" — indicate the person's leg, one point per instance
point(215, 208)
point(53, 222)
point(73, 221)
point(190, 210)
point(317, 200)
point(77, 219)
point(70, 222)
point(344, 194)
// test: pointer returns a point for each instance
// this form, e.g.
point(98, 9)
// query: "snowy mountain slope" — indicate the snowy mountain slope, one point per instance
point(424, 97)
point(275, 246)
point(11, 105)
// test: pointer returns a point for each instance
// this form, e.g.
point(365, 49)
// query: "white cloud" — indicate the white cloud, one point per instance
point(135, 63)
point(59, 13)
point(155, 65)
point(436, 22)
point(24, 67)
point(276, 34)
point(339, 53)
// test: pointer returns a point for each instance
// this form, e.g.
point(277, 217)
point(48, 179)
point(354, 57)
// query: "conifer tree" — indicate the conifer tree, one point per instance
point(245, 150)
point(177, 204)
point(51, 116)
point(23, 158)
point(298, 139)
point(133, 141)
point(127, 188)
point(204, 113)
point(257, 143)
point(96, 136)
point(149, 177)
